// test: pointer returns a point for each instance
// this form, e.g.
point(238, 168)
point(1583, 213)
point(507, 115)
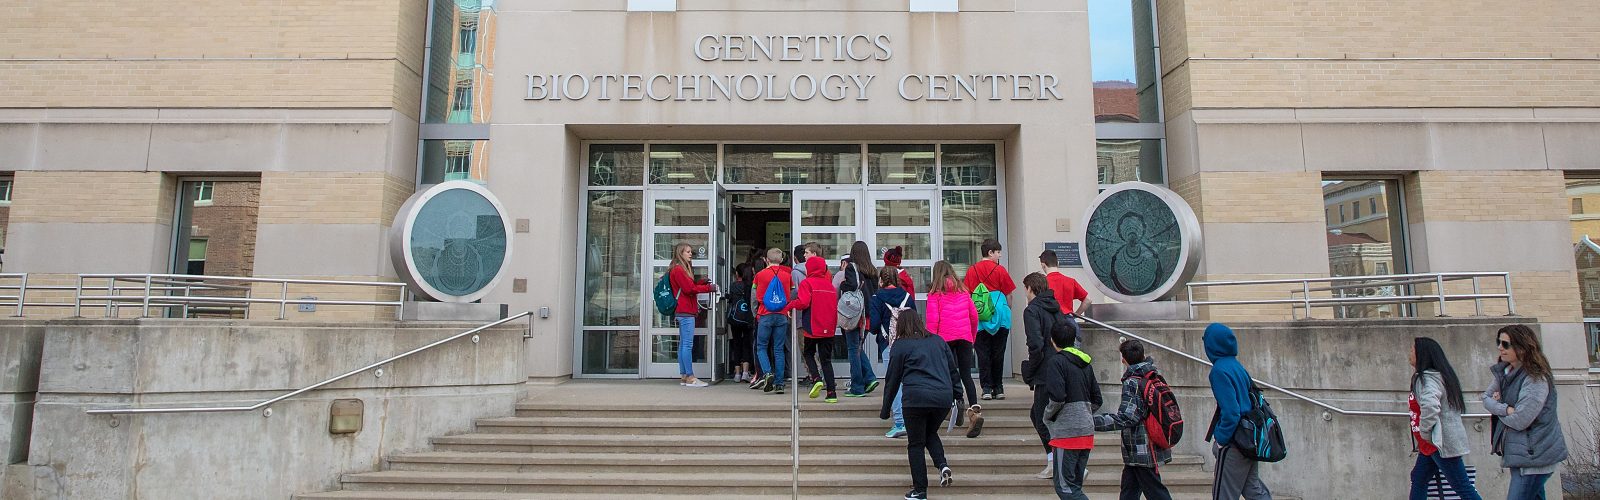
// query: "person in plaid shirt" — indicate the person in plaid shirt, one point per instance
point(1140, 472)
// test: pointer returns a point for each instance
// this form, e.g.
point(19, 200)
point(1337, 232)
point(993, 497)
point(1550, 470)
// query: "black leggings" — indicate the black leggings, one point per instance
point(922, 432)
point(825, 346)
point(741, 346)
point(963, 351)
point(1036, 414)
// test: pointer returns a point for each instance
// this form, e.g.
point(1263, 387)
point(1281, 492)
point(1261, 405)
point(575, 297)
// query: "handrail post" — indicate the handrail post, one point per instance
point(1511, 304)
point(146, 312)
point(1477, 302)
point(400, 310)
point(283, 300)
point(1439, 288)
point(1190, 290)
point(77, 299)
point(22, 294)
point(111, 301)
point(1305, 287)
point(794, 408)
point(249, 293)
point(188, 291)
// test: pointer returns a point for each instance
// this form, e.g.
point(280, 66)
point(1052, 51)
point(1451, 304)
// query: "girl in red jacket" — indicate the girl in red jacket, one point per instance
point(684, 287)
point(817, 295)
point(952, 316)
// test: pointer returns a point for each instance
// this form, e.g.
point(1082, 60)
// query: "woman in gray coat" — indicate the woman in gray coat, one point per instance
point(1522, 399)
point(1436, 429)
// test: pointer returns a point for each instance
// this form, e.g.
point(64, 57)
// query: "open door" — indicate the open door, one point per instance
point(832, 219)
point(671, 217)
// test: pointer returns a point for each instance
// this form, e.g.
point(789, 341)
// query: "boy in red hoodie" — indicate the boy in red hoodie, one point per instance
point(817, 295)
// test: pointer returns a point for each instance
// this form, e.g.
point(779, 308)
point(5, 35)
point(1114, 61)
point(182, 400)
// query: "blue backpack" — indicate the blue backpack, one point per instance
point(666, 300)
point(777, 296)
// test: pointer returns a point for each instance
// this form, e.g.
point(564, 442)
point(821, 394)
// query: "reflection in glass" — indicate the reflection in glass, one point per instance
point(616, 164)
point(815, 213)
point(834, 245)
point(610, 352)
point(682, 163)
point(452, 160)
point(918, 246)
point(792, 164)
point(969, 164)
point(663, 321)
point(611, 260)
point(1365, 238)
point(903, 213)
point(665, 242)
point(1122, 48)
point(1584, 197)
point(900, 163)
point(460, 62)
point(458, 242)
point(969, 218)
point(683, 213)
point(1123, 160)
point(666, 349)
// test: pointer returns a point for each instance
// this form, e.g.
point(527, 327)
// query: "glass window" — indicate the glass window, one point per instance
point(792, 164)
point(457, 160)
point(918, 246)
point(683, 213)
point(969, 164)
point(682, 163)
point(197, 256)
point(203, 191)
point(900, 164)
point(969, 218)
point(444, 160)
point(1369, 246)
point(1123, 160)
point(1586, 253)
point(1122, 52)
point(611, 261)
point(903, 213)
point(834, 245)
point(607, 352)
point(616, 164)
point(665, 241)
point(5, 190)
point(815, 213)
point(454, 65)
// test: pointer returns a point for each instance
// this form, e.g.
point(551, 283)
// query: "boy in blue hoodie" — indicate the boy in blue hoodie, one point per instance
point(1230, 385)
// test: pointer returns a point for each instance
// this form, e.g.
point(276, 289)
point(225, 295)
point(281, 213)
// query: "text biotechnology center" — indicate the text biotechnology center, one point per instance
point(409, 249)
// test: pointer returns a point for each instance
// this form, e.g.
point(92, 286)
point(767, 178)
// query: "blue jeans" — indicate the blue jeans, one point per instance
point(1526, 487)
point(772, 344)
point(860, 367)
point(1455, 474)
point(685, 344)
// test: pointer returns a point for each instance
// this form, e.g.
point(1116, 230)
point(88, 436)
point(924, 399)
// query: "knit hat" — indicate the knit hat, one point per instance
point(892, 256)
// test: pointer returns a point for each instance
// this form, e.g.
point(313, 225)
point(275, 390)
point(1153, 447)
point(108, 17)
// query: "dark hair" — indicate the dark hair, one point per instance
point(1526, 345)
point(745, 272)
point(861, 259)
point(909, 326)
point(1430, 356)
point(799, 251)
point(1132, 351)
point(888, 276)
point(1064, 337)
point(989, 245)
point(1036, 283)
point(1048, 258)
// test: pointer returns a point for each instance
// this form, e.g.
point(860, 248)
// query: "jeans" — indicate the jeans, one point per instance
point(1455, 473)
point(685, 345)
point(860, 367)
point(922, 432)
point(772, 341)
point(963, 351)
point(825, 346)
point(1529, 487)
point(991, 351)
point(883, 349)
point(1071, 467)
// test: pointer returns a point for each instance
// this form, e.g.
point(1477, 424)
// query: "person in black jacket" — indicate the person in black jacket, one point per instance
point(922, 366)
point(1042, 317)
point(1068, 380)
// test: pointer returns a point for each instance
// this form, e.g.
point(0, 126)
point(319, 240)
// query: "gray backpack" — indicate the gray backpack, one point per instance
point(851, 303)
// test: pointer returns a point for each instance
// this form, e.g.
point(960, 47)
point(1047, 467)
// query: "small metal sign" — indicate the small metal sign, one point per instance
point(1066, 253)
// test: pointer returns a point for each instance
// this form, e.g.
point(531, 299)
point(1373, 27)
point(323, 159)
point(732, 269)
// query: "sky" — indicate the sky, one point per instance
point(1111, 39)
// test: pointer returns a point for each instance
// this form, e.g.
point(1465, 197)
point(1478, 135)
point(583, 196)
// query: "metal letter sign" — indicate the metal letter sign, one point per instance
point(1141, 242)
point(451, 241)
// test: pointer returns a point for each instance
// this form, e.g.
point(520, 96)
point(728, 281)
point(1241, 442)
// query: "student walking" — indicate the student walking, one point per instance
point(1074, 396)
point(1040, 319)
point(991, 344)
point(1436, 430)
point(859, 277)
point(1236, 475)
point(954, 318)
point(892, 258)
point(1141, 460)
point(1526, 433)
point(1066, 289)
point(741, 324)
point(684, 287)
point(921, 373)
point(817, 300)
point(884, 308)
point(802, 320)
point(772, 325)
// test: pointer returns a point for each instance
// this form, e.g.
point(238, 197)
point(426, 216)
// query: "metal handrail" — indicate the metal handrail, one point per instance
point(1262, 383)
point(1306, 301)
point(309, 388)
point(151, 299)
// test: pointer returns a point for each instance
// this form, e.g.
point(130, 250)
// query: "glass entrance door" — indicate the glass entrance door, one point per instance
point(905, 218)
point(672, 217)
point(832, 219)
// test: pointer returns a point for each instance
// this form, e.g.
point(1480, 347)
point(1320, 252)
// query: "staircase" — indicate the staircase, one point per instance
point(613, 440)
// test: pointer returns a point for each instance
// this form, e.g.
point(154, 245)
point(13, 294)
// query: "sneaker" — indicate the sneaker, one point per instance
point(871, 386)
point(916, 495)
point(779, 390)
point(849, 395)
point(898, 431)
point(816, 390)
point(986, 396)
point(946, 477)
point(1048, 472)
point(974, 421)
point(765, 384)
point(1000, 396)
point(833, 397)
point(696, 383)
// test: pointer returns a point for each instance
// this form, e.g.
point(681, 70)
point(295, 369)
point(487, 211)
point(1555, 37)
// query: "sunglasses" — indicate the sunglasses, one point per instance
point(1505, 345)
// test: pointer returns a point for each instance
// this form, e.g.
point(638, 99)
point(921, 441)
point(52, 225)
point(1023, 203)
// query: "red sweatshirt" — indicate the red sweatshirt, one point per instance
point(818, 295)
point(908, 284)
point(992, 275)
point(686, 288)
point(759, 287)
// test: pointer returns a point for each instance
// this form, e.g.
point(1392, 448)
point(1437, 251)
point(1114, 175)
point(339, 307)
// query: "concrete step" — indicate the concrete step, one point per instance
point(457, 495)
point(888, 461)
point(760, 406)
point(726, 483)
point(749, 444)
point(637, 426)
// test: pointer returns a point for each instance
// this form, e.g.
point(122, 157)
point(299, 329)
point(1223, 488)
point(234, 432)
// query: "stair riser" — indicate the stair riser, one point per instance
point(999, 429)
point(1041, 489)
point(805, 470)
point(809, 409)
point(976, 446)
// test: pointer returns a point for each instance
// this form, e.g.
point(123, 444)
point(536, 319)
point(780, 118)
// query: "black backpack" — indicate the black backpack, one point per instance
point(1259, 436)
point(739, 312)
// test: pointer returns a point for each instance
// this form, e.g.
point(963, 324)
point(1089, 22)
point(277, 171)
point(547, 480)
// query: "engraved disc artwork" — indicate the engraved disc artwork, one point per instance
point(451, 241)
point(1141, 242)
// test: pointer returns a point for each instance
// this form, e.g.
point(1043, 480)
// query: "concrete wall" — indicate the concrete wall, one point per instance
point(110, 363)
point(21, 345)
point(1350, 364)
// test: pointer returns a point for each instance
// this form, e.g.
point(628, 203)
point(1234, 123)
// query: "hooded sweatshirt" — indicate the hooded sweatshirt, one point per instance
point(952, 315)
point(818, 299)
point(922, 372)
point(881, 304)
point(1074, 394)
point(1230, 383)
point(1040, 318)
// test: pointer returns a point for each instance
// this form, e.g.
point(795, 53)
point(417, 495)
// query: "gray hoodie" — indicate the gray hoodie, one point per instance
point(1437, 421)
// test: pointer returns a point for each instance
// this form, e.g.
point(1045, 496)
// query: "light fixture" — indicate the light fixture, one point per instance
point(782, 155)
point(918, 155)
point(680, 175)
point(666, 155)
point(902, 175)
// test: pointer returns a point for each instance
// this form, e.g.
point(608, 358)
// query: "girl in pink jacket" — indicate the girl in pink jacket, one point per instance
point(953, 317)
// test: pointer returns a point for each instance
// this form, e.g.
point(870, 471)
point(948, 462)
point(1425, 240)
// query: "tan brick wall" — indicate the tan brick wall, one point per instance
point(1548, 296)
point(105, 197)
point(331, 198)
point(146, 28)
point(202, 84)
point(1172, 23)
point(1176, 91)
point(1254, 196)
point(1252, 312)
point(1524, 195)
point(1401, 84)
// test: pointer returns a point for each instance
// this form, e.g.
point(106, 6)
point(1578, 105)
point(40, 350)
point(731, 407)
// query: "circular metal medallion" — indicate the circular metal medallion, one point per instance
point(451, 241)
point(1141, 242)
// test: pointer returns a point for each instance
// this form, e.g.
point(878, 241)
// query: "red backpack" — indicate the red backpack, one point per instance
point(1163, 421)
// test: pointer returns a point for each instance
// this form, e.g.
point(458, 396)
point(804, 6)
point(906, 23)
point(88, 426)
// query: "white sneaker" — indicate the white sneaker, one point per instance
point(696, 383)
point(1048, 472)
